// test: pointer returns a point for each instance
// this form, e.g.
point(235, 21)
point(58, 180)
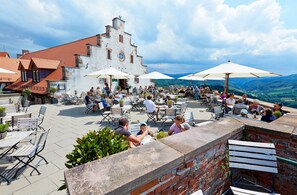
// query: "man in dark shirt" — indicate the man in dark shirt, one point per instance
point(122, 129)
point(268, 116)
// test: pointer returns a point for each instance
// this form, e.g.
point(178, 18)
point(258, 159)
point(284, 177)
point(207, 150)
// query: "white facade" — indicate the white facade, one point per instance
point(97, 59)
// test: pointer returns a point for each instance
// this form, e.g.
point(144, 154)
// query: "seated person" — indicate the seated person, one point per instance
point(122, 129)
point(118, 96)
point(268, 116)
point(255, 108)
point(238, 107)
point(230, 102)
point(89, 103)
point(245, 101)
point(178, 126)
point(244, 113)
point(143, 128)
point(278, 108)
point(151, 106)
point(98, 93)
point(104, 102)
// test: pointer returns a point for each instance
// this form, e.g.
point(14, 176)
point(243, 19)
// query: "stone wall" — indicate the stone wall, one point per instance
point(183, 163)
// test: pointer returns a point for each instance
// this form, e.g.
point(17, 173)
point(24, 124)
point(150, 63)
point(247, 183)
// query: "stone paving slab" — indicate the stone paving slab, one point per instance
point(67, 123)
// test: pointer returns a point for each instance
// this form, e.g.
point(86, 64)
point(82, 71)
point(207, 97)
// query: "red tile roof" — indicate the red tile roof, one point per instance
point(24, 63)
point(12, 65)
point(64, 53)
point(44, 63)
point(4, 54)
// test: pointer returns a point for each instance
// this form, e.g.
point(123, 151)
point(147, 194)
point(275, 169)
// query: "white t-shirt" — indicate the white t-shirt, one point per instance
point(118, 97)
point(230, 102)
point(150, 106)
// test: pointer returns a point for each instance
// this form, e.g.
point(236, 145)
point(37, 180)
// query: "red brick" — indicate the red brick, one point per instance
point(151, 193)
point(166, 185)
point(179, 185)
point(167, 191)
point(189, 164)
point(165, 177)
point(145, 187)
point(182, 167)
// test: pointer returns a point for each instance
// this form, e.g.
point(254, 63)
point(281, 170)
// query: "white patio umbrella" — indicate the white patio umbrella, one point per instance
point(110, 73)
point(2, 70)
point(192, 77)
point(155, 75)
point(232, 70)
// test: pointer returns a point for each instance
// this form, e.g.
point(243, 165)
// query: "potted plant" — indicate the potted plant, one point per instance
point(121, 102)
point(2, 111)
point(3, 130)
point(52, 91)
point(161, 135)
point(119, 88)
point(95, 145)
point(144, 95)
point(169, 103)
point(26, 93)
point(176, 99)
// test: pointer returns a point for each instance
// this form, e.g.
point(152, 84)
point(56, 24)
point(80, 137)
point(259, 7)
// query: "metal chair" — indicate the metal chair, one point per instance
point(25, 124)
point(105, 114)
point(14, 120)
point(170, 114)
point(116, 114)
point(217, 112)
point(253, 156)
point(41, 115)
point(27, 153)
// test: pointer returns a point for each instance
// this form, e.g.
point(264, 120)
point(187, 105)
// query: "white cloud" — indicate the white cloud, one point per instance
point(179, 32)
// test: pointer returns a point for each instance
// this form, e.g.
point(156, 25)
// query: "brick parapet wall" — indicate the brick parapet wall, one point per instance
point(284, 138)
point(183, 163)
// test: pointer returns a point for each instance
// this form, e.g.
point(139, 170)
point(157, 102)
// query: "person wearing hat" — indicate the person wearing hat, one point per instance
point(122, 129)
point(277, 108)
point(143, 128)
point(244, 113)
point(178, 125)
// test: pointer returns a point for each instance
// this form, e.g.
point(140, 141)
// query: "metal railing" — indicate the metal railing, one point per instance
point(288, 161)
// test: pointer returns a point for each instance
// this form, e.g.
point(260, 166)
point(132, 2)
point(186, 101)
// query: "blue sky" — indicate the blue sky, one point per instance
point(174, 36)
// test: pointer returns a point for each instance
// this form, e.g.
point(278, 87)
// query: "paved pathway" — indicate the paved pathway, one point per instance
point(67, 123)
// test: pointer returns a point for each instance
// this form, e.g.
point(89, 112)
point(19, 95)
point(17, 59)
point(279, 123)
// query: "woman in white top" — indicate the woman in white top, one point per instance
point(230, 102)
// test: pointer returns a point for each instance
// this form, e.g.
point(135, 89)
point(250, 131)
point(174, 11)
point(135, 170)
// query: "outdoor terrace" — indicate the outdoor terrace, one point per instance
point(191, 159)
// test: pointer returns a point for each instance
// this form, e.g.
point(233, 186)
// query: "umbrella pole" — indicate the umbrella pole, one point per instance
point(110, 82)
point(226, 83)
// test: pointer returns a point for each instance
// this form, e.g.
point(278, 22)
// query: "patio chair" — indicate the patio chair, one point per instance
point(104, 114)
point(134, 128)
point(27, 153)
point(14, 120)
point(217, 112)
point(151, 116)
point(116, 114)
point(134, 103)
point(252, 156)
point(25, 124)
point(41, 115)
point(170, 114)
point(183, 109)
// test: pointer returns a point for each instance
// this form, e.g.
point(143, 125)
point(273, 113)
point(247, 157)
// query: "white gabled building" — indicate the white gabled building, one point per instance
point(114, 48)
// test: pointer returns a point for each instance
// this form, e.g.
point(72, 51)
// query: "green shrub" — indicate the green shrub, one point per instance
point(121, 101)
point(26, 91)
point(96, 145)
point(52, 90)
point(2, 110)
point(3, 128)
point(161, 135)
point(169, 102)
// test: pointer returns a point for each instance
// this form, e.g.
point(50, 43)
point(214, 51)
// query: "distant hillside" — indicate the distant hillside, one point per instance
point(271, 89)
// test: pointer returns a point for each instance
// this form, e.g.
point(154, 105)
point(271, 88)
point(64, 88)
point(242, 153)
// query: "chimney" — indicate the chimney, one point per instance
point(107, 30)
point(24, 51)
point(19, 55)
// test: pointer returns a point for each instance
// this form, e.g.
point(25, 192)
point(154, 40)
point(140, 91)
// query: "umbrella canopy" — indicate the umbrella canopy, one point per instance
point(232, 70)
point(107, 72)
point(155, 75)
point(110, 73)
point(196, 78)
point(2, 70)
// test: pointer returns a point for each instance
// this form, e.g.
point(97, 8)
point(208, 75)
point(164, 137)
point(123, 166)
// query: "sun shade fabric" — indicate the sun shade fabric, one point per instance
point(107, 72)
point(155, 75)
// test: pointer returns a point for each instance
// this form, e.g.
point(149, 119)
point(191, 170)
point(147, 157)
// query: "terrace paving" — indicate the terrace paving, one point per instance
point(67, 123)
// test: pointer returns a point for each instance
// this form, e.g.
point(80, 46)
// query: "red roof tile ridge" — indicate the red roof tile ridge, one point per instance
point(59, 45)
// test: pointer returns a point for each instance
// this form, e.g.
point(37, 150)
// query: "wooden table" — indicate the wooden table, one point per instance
point(8, 116)
point(125, 107)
